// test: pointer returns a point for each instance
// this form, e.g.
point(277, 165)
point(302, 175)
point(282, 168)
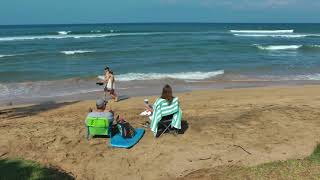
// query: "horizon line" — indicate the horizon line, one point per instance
point(53, 24)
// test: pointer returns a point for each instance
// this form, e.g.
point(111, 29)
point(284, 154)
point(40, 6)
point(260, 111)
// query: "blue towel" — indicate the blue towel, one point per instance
point(120, 142)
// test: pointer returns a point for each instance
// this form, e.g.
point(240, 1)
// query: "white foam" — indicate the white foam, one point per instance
point(10, 55)
point(101, 77)
point(274, 35)
point(182, 75)
point(285, 47)
point(95, 31)
point(101, 35)
point(307, 77)
point(7, 55)
point(40, 89)
point(19, 38)
point(262, 31)
point(76, 52)
point(279, 47)
point(63, 32)
point(4, 90)
point(301, 77)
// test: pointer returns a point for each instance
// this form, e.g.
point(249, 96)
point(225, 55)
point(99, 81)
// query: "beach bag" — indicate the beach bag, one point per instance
point(125, 129)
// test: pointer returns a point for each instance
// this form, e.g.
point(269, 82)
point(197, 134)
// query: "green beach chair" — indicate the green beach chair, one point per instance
point(97, 126)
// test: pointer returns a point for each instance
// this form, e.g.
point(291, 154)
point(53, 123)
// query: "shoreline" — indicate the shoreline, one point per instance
point(152, 88)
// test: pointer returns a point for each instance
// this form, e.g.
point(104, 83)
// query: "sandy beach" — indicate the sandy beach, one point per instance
point(242, 127)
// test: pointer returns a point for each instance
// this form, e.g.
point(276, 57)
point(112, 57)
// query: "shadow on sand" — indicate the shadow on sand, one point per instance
point(184, 128)
point(21, 112)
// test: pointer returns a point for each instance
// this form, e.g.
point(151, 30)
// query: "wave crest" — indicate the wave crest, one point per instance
point(286, 47)
point(95, 31)
point(308, 77)
point(315, 46)
point(262, 31)
point(76, 52)
point(9, 55)
point(101, 35)
point(279, 47)
point(274, 35)
point(182, 75)
point(63, 32)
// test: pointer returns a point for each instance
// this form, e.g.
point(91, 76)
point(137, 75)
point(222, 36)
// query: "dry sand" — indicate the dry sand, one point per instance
point(226, 127)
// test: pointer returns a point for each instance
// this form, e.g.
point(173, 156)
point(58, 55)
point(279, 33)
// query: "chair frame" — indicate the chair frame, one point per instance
point(167, 127)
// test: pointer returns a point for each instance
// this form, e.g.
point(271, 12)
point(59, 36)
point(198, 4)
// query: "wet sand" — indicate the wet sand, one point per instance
point(77, 89)
point(223, 127)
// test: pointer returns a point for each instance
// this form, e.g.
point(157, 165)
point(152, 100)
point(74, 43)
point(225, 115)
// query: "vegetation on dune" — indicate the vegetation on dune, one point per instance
point(307, 168)
point(22, 169)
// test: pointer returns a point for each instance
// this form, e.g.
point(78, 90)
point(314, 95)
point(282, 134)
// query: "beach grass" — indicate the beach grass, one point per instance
point(22, 169)
point(307, 168)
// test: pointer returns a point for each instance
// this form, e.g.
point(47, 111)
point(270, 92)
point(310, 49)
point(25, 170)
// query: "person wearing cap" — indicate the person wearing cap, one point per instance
point(101, 112)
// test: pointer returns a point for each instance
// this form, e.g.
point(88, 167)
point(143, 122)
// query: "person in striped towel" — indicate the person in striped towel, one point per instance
point(166, 107)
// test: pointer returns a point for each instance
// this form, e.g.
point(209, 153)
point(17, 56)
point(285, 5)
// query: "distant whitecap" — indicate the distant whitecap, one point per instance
point(76, 52)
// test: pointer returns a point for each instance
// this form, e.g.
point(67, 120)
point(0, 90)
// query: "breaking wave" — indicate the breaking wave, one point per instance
point(279, 47)
point(286, 47)
point(76, 52)
point(275, 35)
point(262, 31)
point(64, 32)
point(7, 55)
point(182, 75)
point(75, 36)
point(313, 77)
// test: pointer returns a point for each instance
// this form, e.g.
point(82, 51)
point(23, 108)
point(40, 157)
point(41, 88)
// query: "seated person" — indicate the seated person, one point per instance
point(166, 94)
point(166, 107)
point(101, 112)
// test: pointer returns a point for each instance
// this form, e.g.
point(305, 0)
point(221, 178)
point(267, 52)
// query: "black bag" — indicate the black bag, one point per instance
point(125, 129)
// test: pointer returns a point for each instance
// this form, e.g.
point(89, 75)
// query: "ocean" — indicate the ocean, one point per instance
point(38, 61)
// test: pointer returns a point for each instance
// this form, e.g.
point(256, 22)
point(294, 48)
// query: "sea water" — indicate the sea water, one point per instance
point(57, 60)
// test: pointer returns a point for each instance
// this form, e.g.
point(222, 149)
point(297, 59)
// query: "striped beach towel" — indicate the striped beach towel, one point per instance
point(163, 108)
